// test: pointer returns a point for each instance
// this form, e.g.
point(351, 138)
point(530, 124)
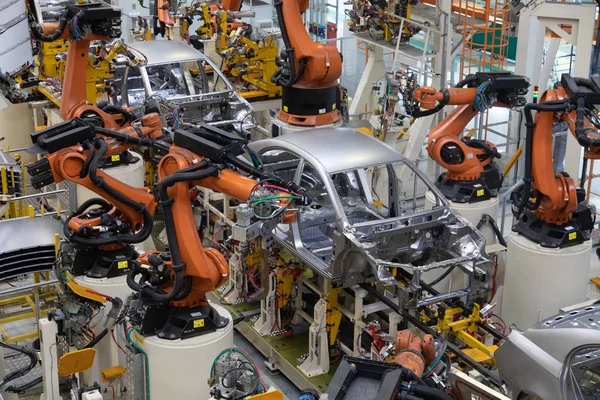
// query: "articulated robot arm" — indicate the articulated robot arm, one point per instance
point(471, 174)
point(82, 24)
point(177, 282)
point(308, 71)
point(559, 215)
point(75, 152)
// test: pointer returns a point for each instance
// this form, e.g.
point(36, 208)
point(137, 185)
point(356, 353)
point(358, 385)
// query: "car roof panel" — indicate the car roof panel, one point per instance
point(166, 51)
point(336, 149)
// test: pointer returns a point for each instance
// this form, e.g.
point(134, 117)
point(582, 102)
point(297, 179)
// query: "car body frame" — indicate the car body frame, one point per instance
point(357, 229)
point(185, 78)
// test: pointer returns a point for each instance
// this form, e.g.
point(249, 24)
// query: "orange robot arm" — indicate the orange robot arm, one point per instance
point(196, 270)
point(206, 267)
point(309, 63)
point(465, 161)
point(557, 194)
point(445, 135)
point(549, 208)
point(471, 174)
point(104, 24)
point(79, 162)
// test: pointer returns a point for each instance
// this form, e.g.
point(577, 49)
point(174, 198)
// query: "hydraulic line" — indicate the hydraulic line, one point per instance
point(521, 200)
point(177, 265)
point(138, 237)
point(39, 33)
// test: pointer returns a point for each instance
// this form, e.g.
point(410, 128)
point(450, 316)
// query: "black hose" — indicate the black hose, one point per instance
point(113, 109)
point(468, 79)
point(86, 165)
point(95, 201)
point(187, 289)
point(20, 372)
point(442, 276)
point(39, 33)
point(138, 237)
point(521, 200)
point(428, 393)
point(288, 50)
point(418, 113)
point(122, 137)
point(25, 386)
point(584, 167)
point(95, 340)
point(492, 222)
point(166, 204)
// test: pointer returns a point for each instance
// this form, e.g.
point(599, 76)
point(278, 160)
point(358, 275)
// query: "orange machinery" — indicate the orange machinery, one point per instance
point(308, 71)
point(472, 175)
point(102, 235)
point(550, 209)
point(171, 286)
point(81, 24)
point(173, 289)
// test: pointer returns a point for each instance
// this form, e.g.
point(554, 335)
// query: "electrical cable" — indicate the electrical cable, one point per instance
point(38, 32)
point(118, 238)
point(20, 372)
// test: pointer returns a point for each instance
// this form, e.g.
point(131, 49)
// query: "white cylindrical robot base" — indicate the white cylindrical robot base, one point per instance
point(179, 369)
point(113, 287)
point(472, 212)
point(539, 280)
point(131, 174)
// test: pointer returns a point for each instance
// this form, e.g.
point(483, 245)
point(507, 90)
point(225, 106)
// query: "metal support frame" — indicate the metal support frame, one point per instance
point(48, 332)
point(533, 22)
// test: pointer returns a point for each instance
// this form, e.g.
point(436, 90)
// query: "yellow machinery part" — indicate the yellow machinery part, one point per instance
point(47, 63)
point(511, 163)
point(334, 315)
point(461, 328)
point(84, 292)
point(76, 361)
point(270, 395)
point(112, 373)
point(285, 282)
point(254, 64)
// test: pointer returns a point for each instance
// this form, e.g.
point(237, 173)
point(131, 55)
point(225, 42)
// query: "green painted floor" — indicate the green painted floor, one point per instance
point(291, 348)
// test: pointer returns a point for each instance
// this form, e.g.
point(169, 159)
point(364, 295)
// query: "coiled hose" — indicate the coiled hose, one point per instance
point(138, 237)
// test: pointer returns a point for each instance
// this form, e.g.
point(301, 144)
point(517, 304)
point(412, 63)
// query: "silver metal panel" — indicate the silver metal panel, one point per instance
point(336, 149)
point(22, 233)
point(166, 51)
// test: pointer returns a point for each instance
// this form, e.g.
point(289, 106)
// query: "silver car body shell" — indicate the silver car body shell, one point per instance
point(160, 52)
point(540, 361)
point(333, 150)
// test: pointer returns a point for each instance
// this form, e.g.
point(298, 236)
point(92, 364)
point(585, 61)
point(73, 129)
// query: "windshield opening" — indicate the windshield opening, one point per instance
point(377, 193)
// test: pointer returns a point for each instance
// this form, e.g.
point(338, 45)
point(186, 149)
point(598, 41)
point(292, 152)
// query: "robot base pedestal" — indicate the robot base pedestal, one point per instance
point(471, 212)
point(179, 369)
point(540, 280)
point(131, 174)
point(281, 128)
